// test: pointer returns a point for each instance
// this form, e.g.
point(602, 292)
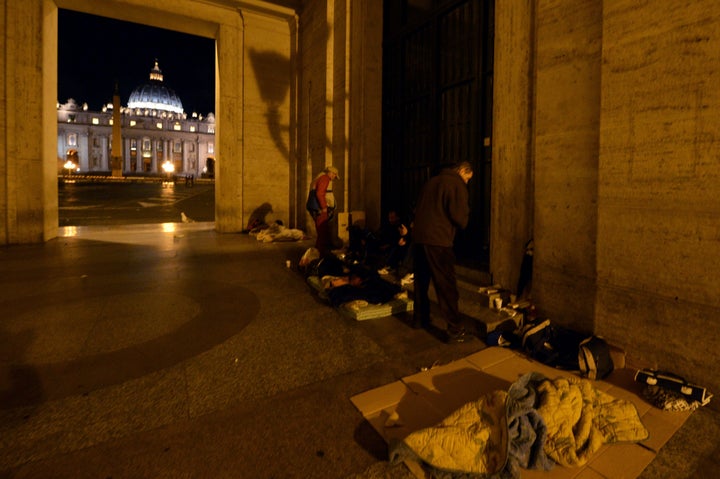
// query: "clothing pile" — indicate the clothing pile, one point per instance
point(536, 424)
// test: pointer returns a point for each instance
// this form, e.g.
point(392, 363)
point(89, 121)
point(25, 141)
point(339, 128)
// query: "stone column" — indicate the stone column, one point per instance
point(28, 132)
point(511, 216)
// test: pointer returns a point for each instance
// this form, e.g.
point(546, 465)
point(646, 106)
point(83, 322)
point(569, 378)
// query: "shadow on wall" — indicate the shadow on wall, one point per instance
point(270, 65)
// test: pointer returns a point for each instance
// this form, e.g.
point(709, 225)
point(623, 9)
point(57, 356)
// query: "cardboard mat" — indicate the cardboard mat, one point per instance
point(424, 399)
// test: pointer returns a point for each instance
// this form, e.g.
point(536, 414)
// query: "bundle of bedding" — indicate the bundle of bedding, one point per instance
point(374, 299)
point(536, 424)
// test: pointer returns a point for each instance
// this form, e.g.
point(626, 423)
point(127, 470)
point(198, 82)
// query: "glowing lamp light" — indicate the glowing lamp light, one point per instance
point(168, 167)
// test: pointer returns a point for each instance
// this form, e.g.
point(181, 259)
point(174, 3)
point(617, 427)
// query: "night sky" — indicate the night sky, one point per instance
point(94, 52)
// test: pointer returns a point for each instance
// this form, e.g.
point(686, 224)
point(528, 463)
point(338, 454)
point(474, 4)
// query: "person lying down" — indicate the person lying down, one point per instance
point(359, 284)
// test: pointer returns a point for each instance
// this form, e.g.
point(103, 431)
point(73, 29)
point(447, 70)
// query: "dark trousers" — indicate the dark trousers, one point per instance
point(323, 242)
point(436, 263)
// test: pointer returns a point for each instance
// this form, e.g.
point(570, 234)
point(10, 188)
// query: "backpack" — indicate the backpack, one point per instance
point(553, 345)
point(594, 358)
point(312, 204)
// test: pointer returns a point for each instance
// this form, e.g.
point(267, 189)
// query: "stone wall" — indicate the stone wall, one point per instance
point(315, 38)
point(511, 213)
point(340, 108)
point(658, 240)
point(626, 167)
point(567, 116)
point(268, 127)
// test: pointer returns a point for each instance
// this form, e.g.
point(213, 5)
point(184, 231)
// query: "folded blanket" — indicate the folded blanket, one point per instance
point(581, 418)
point(472, 441)
point(538, 422)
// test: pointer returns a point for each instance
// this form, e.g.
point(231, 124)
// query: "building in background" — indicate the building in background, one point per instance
point(156, 131)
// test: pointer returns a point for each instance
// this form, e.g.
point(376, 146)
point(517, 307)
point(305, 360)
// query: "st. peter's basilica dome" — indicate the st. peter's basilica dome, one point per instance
point(154, 96)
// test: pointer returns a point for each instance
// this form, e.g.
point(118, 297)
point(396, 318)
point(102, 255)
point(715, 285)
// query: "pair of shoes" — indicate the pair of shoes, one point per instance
point(457, 336)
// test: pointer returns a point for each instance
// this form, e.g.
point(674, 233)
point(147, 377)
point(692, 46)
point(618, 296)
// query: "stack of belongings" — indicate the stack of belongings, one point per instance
point(671, 392)
point(563, 348)
point(355, 289)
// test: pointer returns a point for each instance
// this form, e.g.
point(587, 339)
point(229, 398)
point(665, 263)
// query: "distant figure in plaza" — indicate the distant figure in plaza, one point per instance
point(441, 210)
point(324, 191)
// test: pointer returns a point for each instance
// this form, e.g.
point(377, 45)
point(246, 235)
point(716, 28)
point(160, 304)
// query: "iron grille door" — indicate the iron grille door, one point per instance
point(437, 107)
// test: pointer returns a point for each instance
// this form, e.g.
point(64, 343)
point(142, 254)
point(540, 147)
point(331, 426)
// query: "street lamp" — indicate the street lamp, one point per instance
point(169, 168)
point(69, 166)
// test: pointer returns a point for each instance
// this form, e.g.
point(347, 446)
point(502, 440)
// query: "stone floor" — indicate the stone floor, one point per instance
point(172, 351)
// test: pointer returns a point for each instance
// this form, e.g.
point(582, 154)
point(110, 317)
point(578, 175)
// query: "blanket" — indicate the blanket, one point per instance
point(536, 424)
point(277, 232)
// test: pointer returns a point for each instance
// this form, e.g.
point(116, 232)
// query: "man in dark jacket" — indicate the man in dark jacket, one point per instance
point(441, 210)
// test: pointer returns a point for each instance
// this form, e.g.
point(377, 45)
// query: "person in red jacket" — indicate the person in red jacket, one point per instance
point(442, 208)
point(324, 191)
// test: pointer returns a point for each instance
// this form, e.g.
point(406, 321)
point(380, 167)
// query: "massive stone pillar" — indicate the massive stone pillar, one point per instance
point(566, 149)
point(512, 155)
point(28, 121)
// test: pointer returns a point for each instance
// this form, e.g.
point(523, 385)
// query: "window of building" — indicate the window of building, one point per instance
point(177, 147)
point(72, 139)
point(211, 148)
point(133, 123)
point(146, 144)
point(95, 121)
point(177, 126)
point(159, 125)
point(160, 145)
point(211, 129)
point(133, 144)
point(192, 128)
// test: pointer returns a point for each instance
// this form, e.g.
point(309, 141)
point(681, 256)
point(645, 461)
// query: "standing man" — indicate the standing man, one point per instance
point(324, 191)
point(441, 209)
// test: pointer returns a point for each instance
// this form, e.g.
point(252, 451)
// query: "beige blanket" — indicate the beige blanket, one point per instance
point(536, 423)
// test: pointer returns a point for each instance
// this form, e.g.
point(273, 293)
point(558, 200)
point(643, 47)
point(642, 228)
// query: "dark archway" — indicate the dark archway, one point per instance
point(437, 106)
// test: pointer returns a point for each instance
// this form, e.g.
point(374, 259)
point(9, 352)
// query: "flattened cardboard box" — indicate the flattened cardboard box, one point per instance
point(424, 399)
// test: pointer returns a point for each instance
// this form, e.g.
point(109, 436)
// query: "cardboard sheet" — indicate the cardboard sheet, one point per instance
point(424, 399)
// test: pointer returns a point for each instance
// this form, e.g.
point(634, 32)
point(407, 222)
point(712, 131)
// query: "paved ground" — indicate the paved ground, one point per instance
point(171, 351)
point(90, 203)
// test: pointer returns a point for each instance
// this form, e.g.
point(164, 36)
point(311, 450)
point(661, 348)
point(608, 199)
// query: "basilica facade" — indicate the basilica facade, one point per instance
point(157, 135)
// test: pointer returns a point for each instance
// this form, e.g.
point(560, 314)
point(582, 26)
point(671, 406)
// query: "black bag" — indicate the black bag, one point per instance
point(594, 358)
point(673, 382)
point(552, 345)
point(312, 204)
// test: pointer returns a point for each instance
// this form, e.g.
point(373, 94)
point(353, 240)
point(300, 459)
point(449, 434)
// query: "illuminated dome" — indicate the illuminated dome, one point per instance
point(154, 95)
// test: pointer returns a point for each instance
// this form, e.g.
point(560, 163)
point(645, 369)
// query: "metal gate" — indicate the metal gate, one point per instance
point(437, 105)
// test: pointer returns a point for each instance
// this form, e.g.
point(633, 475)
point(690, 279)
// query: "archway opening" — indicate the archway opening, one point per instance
point(164, 84)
